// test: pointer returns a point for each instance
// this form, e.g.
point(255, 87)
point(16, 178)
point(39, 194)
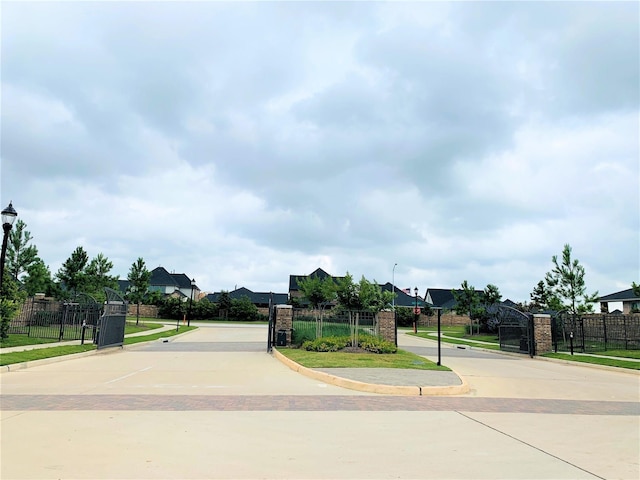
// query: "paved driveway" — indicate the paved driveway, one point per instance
point(214, 404)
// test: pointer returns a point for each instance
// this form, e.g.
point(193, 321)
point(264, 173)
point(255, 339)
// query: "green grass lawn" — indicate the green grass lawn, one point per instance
point(401, 359)
point(49, 352)
point(461, 339)
point(611, 362)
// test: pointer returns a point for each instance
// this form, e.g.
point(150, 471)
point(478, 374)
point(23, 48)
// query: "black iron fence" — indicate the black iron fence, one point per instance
point(57, 320)
point(595, 333)
point(309, 326)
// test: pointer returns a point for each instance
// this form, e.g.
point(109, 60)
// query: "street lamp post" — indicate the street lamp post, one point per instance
point(8, 217)
point(415, 312)
point(393, 303)
point(193, 286)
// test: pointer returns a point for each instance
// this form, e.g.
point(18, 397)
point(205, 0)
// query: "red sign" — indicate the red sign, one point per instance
point(416, 310)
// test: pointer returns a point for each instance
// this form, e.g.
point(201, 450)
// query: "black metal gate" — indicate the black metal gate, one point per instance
point(68, 320)
point(111, 325)
point(595, 333)
point(515, 329)
point(271, 336)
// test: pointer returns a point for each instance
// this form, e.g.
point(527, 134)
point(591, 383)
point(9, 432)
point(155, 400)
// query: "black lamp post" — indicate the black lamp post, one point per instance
point(8, 217)
point(193, 286)
point(415, 312)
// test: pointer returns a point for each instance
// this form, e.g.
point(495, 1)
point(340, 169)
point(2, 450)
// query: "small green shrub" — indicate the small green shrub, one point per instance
point(376, 344)
point(326, 344)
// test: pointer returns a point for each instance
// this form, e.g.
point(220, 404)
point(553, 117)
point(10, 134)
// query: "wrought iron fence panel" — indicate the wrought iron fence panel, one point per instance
point(309, 326)
point(595, 333)
point(56, 320)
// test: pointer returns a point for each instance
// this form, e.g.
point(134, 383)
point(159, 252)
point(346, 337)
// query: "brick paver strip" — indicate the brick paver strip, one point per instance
point(312, 403)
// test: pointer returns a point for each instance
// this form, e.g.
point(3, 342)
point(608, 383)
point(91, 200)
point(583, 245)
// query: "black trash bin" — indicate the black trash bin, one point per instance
point(281, 338)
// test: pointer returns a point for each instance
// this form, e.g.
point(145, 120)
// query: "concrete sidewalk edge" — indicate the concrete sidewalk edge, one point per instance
point(372, 387)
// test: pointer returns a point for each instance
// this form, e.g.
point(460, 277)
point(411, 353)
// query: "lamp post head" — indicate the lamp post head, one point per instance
point(193, 282)
point(9, 215)
point(415, 290)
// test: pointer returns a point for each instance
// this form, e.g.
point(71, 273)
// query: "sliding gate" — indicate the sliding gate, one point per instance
point(515, 329)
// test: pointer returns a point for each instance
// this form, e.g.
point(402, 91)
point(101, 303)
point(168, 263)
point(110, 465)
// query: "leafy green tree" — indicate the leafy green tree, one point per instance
point(635, 288)
point(20, 255)
point(319, 292)
point(10, 300)
point(543, 298)
point(243, 309)
point(138, 277)
point(72, 273)
point(467, 302)
point(38, 279)
point(566, 280)
point(97, 276)
point(224, 304)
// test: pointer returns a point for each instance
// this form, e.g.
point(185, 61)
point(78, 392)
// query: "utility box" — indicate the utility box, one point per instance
point(281, 338)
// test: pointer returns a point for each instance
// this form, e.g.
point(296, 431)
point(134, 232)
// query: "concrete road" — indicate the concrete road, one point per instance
point(213, 404)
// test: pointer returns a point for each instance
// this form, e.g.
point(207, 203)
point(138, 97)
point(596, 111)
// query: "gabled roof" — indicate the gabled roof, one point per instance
point(623, 296)
point(160, 277)
point(318, 272)
point(402, 298)
point(443, 297)
point(257, 298)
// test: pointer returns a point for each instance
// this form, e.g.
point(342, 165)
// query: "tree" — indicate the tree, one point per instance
point(635, 288)
point(319, 292)
point(224, 303)
point(243, 309)
point(38, 279)
point(467, 302)
point(97, 276)
point(566, 281)
point(20, 255)
point(138, 278)
point(543, 298)
point(72, 273)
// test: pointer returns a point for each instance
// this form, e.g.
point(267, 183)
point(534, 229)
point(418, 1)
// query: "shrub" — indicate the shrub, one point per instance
point(326, 344)
point(376, 344)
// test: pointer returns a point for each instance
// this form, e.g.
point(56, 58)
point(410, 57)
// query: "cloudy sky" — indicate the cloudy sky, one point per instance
point(240, 142)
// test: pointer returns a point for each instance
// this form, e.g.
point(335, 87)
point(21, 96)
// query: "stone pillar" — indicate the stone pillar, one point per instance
point(284, 320)
point(387, 326)
point(542, 333)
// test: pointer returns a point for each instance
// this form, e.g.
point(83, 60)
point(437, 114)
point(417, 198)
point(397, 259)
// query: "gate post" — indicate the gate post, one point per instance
point(284, 320)
point(542, 333)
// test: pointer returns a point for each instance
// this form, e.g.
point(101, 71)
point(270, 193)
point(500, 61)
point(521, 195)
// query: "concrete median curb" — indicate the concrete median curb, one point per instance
point(411, 390)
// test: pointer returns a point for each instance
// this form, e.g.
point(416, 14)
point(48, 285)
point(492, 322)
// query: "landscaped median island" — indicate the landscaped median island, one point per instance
point(11, 358)
point(370, 352)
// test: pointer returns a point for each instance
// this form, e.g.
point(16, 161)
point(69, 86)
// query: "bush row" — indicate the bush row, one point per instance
point(335, 343)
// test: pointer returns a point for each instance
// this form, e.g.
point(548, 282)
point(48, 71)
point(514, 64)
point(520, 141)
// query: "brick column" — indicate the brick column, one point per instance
point(542, 333)
point(386, 326)
point(284, 320)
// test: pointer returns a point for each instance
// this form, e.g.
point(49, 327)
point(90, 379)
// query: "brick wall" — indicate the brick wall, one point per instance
point(284, 320)
point(150, 311)
point(387, 326)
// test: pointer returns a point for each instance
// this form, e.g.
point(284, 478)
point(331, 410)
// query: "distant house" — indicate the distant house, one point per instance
point(259, 299)
point(630, 302)
point(443, 298)
point(172, 284)
point(294, 288)
point(403, 297)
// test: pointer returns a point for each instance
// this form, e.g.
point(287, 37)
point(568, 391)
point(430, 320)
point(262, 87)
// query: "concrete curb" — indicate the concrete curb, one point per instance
point(372, 387)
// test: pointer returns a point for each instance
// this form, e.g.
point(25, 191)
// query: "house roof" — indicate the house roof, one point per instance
point(443, 297)
point(318, 272)
point(257, 298)
point(402, 298)
point(622, 296)
point(160, 277)
point(123, 285)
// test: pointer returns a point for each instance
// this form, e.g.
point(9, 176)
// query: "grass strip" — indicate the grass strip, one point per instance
point(11, 358)
point(457, 341)
point(610, 362)
point(401, 359)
